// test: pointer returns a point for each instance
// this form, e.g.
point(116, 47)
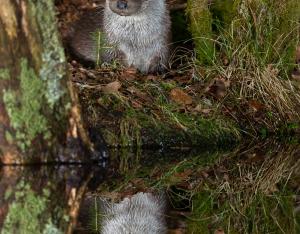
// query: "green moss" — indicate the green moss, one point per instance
point(50, 228)
point(8, 137)
point(223, 12)
point(53, 66)
point(26, 214)
point(175, 130)
point(201, 28)
point(111, 138)
point(24, 108)
point(4, 74)
point(159, 123)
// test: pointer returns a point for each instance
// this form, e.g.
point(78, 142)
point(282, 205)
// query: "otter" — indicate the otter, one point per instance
point(134, 32)
point(140, 213)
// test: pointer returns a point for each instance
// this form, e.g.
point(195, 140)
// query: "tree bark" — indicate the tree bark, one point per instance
point(38, 110)
point(40, 199)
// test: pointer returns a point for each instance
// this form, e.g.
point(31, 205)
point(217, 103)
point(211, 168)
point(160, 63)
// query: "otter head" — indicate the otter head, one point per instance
point(126, 7)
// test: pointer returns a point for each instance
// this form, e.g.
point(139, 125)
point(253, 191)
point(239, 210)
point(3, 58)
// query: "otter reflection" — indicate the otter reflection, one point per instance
point(140, 213)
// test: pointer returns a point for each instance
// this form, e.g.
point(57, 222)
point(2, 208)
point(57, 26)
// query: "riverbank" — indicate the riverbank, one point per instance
point(224, 81)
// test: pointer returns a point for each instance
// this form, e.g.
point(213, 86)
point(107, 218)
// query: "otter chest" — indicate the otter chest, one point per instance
point(135, 36)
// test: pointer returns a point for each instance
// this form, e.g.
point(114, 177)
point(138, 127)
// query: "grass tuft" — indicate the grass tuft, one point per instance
point(258, 39)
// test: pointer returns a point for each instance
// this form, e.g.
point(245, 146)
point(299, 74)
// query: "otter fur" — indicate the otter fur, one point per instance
point(141, 213)
point(136, 32)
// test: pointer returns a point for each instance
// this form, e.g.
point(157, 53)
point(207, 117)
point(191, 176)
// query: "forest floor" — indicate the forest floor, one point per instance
point(186, 105)
point(187, 113)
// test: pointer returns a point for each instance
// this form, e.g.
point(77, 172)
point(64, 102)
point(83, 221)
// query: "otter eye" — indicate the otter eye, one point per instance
point(122, 5)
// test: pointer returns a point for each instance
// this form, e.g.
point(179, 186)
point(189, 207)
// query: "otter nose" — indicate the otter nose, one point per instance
point(122, 4)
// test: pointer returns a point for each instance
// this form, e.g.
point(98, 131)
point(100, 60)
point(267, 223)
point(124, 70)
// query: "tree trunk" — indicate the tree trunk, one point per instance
point(38, 110)
point(42, 199)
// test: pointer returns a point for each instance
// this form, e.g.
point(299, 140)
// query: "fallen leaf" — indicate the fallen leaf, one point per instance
point(180, 97)
point(112, 87)
point(255, 105)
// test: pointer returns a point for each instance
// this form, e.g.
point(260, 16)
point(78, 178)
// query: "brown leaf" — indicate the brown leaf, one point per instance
point(256, 106)
point(180, 97)
point(112, 87)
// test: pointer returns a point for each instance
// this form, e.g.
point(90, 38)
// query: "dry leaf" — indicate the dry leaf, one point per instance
point(180, 97)
point(256, 106)
point(112, 87)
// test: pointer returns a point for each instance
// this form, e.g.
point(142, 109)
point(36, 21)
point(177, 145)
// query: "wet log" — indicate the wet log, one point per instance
point(39, 113)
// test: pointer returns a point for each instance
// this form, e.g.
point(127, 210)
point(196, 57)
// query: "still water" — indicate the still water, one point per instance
point(253, 188)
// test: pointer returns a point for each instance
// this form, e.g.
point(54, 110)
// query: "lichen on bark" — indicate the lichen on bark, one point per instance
point(24, 107)
point(4, 74)
point(28, 213)
point(53, 66)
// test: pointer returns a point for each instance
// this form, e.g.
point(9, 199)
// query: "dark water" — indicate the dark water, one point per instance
point(254, 188)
